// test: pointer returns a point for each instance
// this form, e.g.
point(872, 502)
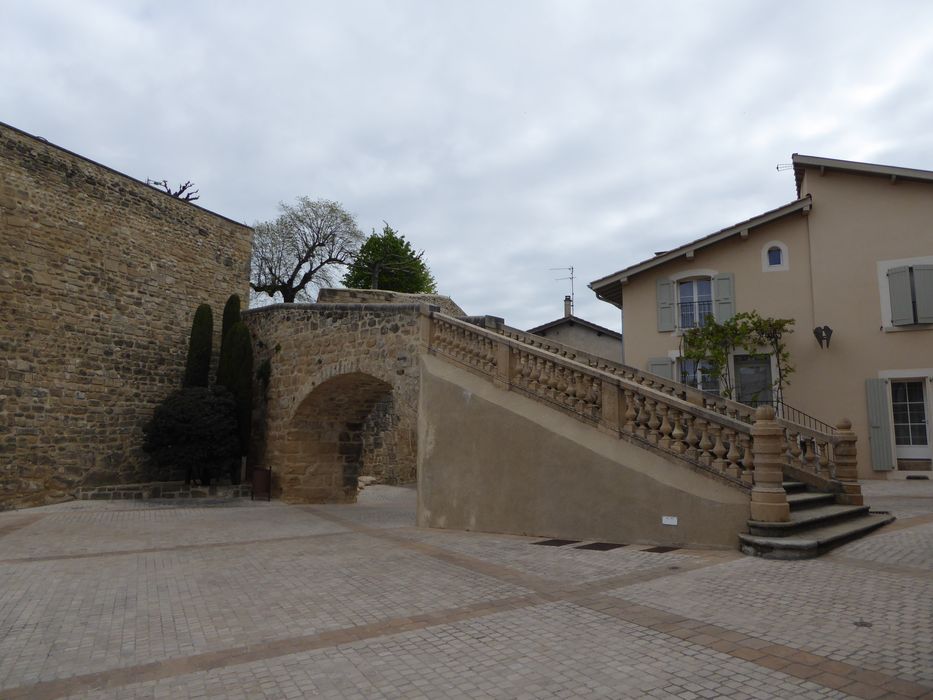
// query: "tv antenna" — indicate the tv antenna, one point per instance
point(561, 279)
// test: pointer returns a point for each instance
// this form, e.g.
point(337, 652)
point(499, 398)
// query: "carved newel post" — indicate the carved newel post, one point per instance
point(847, 463)
point(769, 501)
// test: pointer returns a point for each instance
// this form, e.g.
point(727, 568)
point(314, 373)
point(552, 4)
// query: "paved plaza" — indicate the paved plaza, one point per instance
point(245, 599)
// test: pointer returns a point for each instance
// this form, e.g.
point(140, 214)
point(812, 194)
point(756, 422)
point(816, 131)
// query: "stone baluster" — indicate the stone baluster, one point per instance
point(653, 422)
point(719, 449)
point(809, 456)
point(732, 456)
point(748, 460)
point(631, 412)
point(705, 457)
point(677, 433)
point(641, 420)
point(664, 441)
point(692, 438)
point(823, 461)
point(793, 448)
point(579, 392)
point(847, 463)
point(594, 397)
point(769, 500)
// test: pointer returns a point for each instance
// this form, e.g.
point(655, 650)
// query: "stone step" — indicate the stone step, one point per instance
point(793, 486)
point(813, 541)
point(799, 500)
point(806, 518)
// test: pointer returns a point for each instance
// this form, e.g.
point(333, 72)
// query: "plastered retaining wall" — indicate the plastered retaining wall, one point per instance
point(492, 460)
point(100, 275)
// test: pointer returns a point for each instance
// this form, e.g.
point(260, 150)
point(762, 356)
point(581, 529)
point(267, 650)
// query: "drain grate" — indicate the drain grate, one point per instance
point(556, 543)
point(661, 550)
point(600, 546)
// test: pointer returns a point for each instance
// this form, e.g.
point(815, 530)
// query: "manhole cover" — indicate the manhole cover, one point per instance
point(661, 550)
point(861, 623)
point(600, 546)
point(556, 543)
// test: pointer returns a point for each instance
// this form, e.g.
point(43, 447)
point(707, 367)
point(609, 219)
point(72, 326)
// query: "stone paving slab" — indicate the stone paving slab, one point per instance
point(551, 651)
point(270, 601)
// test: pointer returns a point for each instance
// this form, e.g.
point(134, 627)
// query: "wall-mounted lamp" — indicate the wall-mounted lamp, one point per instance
point(823, 333)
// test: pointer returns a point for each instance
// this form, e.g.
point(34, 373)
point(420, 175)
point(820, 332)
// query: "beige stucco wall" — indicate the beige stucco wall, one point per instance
point(586, 339)
point(855, 222)
point(494, 461)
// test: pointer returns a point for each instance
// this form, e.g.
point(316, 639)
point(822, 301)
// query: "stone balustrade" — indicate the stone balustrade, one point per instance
point(714, 434)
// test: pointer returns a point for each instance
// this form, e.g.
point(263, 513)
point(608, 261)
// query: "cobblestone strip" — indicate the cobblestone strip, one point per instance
point(19, 523)
point(173, 548)
point(777, 657)
point(883, 567)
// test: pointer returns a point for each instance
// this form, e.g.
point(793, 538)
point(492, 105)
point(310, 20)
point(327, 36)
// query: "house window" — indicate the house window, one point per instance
point(910, 424)
point(774, 257)
point(698, 375)
point(911, 293)
point(694, 302)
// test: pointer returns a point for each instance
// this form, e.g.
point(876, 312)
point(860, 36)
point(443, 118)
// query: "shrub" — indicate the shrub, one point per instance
point(194, 429)
point(198, 364)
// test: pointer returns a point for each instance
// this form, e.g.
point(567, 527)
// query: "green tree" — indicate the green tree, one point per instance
point(198, 363)
point(299, 249)
point(387, 261)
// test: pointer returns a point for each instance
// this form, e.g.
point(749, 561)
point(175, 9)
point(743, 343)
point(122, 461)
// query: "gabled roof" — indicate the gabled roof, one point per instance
point(802, 162)
point(575, 320)
point(609, 288)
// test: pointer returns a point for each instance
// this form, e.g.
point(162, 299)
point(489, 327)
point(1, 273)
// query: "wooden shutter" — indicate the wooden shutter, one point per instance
point(724, 296)
point(661, 366)
point(879, 424)
point(665, 305)
point(902, 308)
point(923, 292)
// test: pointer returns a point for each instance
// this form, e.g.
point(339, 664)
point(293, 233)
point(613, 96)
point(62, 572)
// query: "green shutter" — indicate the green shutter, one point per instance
point(665, 305)
point(902, 308)
point(724, 296)
point(879, 424)
point(923, 292)
point(661, 366)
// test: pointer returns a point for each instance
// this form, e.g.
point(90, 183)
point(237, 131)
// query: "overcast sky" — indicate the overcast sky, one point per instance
point(503, 138)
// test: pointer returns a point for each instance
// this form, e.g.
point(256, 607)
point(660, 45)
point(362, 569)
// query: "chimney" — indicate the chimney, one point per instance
point(568, 306)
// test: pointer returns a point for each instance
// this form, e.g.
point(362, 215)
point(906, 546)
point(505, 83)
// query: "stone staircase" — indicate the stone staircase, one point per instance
point(817, 524)
point(801, 481)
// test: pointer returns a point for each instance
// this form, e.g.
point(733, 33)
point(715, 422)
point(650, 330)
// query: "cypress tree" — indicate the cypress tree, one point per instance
point(231, 316)
point(236, 374)
point(198, 364)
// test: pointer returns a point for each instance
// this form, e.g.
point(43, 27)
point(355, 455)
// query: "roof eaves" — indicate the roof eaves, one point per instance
point(576, 319)
point(801, 162)
point(802, 204)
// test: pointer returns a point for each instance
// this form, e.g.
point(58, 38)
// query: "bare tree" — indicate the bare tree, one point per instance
point(301, 247)
point(183, 191)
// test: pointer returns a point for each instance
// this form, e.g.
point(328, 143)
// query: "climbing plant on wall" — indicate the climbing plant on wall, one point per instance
point(714, 343)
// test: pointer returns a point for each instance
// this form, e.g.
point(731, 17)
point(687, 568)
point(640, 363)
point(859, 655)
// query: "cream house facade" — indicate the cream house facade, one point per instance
point(851, 258)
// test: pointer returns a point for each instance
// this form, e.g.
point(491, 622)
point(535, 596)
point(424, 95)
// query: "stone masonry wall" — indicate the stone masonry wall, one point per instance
point(382, 296)
point(99, 278)
point(316, 349)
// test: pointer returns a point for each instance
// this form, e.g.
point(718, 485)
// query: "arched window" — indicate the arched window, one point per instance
point(774, 257)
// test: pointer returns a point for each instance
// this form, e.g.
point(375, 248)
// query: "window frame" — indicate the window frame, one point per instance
point(766, 265)
point(884, 293)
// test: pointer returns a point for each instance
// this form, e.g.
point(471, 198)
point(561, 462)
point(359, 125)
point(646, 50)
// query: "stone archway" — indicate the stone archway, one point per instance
point(326, 436)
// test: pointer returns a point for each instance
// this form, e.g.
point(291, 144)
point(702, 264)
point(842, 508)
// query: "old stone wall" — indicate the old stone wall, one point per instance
point(99, 278)
point(381, 296)
point(342, 396)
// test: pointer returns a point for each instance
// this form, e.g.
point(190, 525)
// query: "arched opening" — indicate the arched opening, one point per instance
point(326, 439)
